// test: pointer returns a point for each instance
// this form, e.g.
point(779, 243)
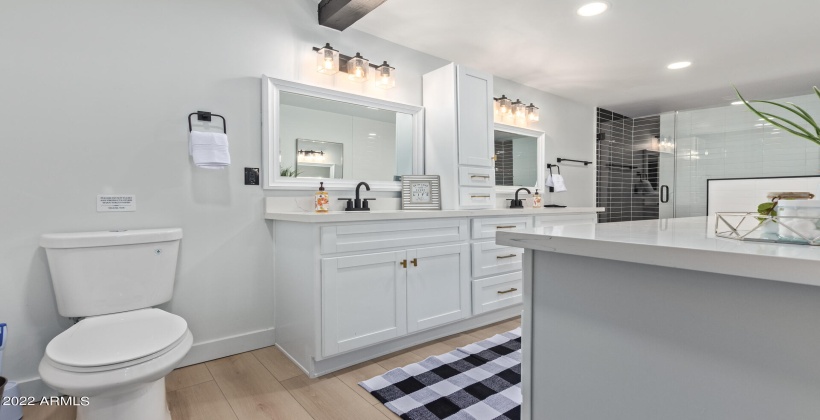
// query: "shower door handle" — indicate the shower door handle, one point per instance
point(664, 193)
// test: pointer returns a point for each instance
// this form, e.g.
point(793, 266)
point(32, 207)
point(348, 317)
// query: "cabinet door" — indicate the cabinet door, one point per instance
point(364, 300)
point(475, 118)
point(438, 286)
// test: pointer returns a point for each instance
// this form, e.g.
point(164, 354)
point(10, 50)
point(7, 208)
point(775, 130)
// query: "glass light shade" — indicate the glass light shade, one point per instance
point(504, 105)
point(519, 109)
point(532, 113)
point(327, 60)
point(385, 76)
point(357, 68)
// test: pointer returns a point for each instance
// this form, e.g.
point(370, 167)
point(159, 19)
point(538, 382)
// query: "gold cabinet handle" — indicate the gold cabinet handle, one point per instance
point(506, 256)
point(403, 263)
point(494, 158)
point(480, 196)
point(415, 262)
point(480, 176)
point(512, 289)
point(506, 227)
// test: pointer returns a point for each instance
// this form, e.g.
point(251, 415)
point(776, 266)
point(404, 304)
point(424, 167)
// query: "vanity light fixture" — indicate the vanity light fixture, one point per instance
point(679, 65)
point(385, 76)
point(532, 112)
point(327, 59)
point(357, 68)
point(593, 9)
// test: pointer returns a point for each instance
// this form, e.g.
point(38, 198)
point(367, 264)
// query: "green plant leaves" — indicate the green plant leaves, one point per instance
point(795, 129)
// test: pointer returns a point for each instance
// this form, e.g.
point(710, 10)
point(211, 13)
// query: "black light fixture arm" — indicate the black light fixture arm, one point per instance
point(343, 59)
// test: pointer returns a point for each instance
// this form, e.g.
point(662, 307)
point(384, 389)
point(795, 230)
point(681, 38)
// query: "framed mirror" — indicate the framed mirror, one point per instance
point(314, 134)
point(519, 158)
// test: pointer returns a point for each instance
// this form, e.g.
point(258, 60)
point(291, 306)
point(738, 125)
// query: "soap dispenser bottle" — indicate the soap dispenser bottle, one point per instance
point(321, 199)
point(536, 200)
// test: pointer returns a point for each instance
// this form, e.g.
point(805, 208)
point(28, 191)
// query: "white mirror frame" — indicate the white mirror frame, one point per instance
point(541, 136)
point(271, 89)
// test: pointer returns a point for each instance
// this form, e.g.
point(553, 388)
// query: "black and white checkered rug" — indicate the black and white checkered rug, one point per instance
point(476, 382)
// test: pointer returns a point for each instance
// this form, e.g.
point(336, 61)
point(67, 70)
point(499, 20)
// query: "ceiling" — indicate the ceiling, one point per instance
point(618, 60)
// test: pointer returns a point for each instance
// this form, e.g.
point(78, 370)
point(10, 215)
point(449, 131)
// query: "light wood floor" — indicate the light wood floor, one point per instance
point(264, 384)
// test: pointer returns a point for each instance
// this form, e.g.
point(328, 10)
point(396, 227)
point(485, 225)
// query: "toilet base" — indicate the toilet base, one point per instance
point(141, 402)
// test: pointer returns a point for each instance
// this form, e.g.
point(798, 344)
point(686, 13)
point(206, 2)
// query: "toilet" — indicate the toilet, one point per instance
point(120, 352)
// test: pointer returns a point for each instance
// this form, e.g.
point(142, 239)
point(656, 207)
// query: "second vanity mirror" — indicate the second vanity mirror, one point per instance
point(519, 156)
point(313, 134)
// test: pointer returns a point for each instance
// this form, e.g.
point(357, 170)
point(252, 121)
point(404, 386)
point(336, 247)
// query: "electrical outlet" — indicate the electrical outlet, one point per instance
point(251, 176)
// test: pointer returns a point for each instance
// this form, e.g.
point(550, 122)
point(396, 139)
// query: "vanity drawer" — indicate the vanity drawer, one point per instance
point(476, 177)
point(565, 219)
point(490, 259)
point(394, 234)
point(496, 292)
point(476, 197)
point(486, 228)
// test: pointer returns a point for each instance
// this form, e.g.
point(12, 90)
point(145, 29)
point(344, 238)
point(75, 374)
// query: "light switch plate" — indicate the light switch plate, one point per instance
point(251, 176)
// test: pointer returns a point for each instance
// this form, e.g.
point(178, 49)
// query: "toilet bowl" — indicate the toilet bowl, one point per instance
point(114, 361)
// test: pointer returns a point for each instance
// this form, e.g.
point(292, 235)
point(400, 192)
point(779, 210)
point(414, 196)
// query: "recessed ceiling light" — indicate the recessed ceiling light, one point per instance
point(592, 9)
point(679, 65)
point(738, 103)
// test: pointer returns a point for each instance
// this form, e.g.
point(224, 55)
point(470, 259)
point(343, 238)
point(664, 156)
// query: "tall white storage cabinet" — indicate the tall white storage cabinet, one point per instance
point(459, 142)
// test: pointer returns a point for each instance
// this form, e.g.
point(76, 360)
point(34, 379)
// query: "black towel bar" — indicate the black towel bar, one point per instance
point(206, 116)
point(585, 162)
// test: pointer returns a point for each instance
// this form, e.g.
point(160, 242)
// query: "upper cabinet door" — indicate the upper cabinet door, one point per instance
point(475, 118)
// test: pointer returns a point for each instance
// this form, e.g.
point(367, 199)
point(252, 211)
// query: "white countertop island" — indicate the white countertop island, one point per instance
point(661, 320)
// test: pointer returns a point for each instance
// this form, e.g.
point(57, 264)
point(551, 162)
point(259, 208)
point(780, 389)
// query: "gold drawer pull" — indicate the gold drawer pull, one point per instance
point(512, 289)
point(480, 176)
point(506, 227)
point(403, 263)
point(506, 256)
point(480, 196)
point(415, 262)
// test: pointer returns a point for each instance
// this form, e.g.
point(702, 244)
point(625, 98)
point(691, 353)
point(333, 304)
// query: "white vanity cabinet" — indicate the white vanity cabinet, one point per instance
point(459, 142)
point(349, 291)
point(370, 298)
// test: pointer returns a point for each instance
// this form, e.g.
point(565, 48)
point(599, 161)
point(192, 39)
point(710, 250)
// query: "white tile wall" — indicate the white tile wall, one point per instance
point(731, 142)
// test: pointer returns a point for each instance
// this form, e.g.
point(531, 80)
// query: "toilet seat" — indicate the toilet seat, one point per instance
point(115, 341)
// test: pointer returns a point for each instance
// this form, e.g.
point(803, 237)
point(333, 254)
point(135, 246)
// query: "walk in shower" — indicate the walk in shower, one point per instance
point(658, 166)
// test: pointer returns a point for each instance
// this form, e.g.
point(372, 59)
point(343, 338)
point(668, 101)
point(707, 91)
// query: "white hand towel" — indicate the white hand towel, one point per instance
point(557, 182)
point(209, 150)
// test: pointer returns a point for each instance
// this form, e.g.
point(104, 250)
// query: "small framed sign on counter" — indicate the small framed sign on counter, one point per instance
point(421, 192)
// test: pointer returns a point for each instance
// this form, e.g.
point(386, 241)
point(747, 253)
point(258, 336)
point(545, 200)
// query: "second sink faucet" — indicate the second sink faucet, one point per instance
point(516, 203)
point(358, 202)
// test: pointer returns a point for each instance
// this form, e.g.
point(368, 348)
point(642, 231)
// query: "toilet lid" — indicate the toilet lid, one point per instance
point(116, 338)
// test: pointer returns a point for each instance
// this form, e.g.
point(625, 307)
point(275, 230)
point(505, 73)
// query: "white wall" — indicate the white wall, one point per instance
point(94, 99)
point(731, 142)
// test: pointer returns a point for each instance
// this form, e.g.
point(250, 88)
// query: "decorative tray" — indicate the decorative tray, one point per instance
point(800, 230)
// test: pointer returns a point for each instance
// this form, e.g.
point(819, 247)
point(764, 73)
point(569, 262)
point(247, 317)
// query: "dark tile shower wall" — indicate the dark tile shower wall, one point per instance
point(621, 159)
point(644, 140)
point(504, 162)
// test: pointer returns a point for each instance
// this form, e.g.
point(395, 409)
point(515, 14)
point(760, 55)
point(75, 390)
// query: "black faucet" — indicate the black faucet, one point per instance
point(516, 203)
point(358, 204)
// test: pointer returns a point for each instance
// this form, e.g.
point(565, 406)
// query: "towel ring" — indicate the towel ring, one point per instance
point(550, 166)
point(206, 116)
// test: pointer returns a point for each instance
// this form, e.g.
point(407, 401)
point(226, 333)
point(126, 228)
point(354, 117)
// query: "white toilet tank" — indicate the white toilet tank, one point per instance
point(97, 273)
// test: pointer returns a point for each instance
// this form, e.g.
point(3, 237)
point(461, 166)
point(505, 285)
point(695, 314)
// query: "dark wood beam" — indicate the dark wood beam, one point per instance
point(340, 14)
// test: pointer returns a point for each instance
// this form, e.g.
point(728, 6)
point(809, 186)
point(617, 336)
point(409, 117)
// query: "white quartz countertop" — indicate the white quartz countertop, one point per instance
point(342, 216)
point(687, 243)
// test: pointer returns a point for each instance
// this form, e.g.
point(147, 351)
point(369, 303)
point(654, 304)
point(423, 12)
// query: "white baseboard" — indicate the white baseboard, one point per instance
point(200, 352)
point(228, 346)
